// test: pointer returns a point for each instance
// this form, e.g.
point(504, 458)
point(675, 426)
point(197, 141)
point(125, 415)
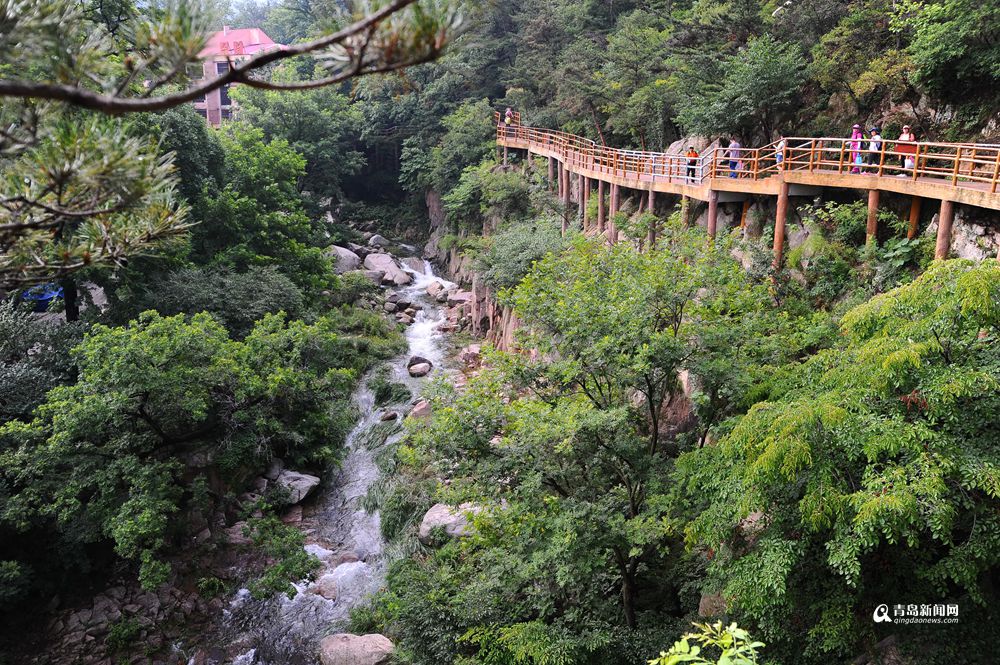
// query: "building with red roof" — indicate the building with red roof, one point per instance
point(222, 50)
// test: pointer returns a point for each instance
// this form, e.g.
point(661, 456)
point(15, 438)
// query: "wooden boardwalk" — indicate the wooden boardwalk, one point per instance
point(947, 172)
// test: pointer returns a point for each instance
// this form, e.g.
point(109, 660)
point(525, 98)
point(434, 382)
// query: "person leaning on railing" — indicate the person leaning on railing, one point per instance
point(779, 152)
point(692, 163)
point(907, 149)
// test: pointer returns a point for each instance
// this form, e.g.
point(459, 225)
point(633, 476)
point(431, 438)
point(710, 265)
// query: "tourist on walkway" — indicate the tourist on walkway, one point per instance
point(856, 136)
point(508, 120)
point(874, 146)
point(779, 153)
point(734, 158)
point(692, 163)
point(906, 147)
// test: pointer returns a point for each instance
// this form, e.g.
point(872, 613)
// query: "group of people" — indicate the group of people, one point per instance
point(867, 150)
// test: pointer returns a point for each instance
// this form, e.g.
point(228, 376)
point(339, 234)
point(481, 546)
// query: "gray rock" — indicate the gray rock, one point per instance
point(435, 288)
point(454, 521)
point(379, 241)
point(345, 259)
point(389, 307)
point(234, 534)
point(298, 485)
point(347, 649)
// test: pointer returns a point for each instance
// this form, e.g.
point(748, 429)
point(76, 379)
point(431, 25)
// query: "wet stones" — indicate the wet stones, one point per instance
point(419, 366)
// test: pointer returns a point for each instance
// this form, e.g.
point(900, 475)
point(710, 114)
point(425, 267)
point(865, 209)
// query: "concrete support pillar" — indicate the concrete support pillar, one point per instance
point(565, 198)
point(911, 232)
point(779, 226)
point(612, 210)
point(713, 212)
point(552, 174)
point(944, 230)
point(584, 202)
point(686, 209)
point(743, 214)
point(872, 229)
point(651, 208)
point(505, 155)
point(601, 207)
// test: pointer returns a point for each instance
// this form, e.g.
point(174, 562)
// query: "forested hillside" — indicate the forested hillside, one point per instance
point(676, 452)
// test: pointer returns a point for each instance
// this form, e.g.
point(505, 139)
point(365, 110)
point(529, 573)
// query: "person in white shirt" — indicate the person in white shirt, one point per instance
point(874, 146)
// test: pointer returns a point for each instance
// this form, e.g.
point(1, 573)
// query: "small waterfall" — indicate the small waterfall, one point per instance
point(345, 537)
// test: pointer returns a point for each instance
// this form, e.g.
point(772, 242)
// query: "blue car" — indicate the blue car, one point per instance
point(41, 296)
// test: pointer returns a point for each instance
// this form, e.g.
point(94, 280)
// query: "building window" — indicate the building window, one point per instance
point(202, 112)
point(227, 114)
point(220, 69)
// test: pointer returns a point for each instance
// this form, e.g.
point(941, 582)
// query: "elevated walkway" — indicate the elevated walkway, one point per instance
point(948, 172)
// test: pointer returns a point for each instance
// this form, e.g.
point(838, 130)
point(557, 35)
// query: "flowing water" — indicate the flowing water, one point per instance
point(346, 538)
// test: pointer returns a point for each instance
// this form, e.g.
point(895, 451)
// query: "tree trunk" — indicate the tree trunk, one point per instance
point(628, 598)
point(70, 298)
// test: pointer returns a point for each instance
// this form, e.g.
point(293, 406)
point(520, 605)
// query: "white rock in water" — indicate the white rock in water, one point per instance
point(347, 649)
point(298, 485)
point(420, 369)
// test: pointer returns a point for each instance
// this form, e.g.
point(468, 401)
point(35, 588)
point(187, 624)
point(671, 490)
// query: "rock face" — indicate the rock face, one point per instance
point(711, 605)
point(459, 298)
point(345, 259)
point(455, 522)
point(347, 649)
point(391, 273)
point(298, 485)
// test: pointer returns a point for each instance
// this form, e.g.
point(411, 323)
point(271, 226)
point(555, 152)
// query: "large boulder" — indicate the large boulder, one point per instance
point(347, 649)
point(344, 259)
point(392, 273)
point(414, 264)
point(298, 485)
point(453, 521)
point(379, 241)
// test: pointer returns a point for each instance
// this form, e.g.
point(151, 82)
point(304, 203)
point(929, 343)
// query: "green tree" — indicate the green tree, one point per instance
point(321, 125)
point(110, 457)
point(755, 96)
point(869, 468)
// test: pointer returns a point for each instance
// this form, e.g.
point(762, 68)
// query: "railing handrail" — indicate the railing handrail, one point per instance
point(955, 164)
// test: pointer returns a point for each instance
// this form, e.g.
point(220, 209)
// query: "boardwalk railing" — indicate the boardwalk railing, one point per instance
point(958, 165)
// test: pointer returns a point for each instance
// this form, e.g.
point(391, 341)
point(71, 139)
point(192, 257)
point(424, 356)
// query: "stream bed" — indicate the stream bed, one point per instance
point(339, 531)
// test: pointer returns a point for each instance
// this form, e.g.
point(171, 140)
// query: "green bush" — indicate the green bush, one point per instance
point(510, 254)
